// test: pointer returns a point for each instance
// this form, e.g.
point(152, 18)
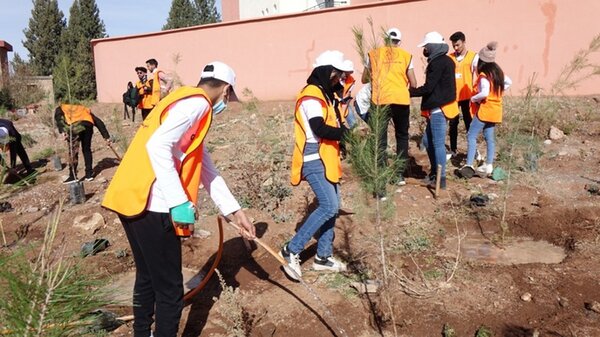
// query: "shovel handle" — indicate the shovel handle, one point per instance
point(259, 242)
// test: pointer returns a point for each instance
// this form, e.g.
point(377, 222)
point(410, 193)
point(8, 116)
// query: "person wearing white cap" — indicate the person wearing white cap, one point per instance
point(11, 138)
point(316, 159)
point(438, 102)
point(155, 193)
point(390, 72)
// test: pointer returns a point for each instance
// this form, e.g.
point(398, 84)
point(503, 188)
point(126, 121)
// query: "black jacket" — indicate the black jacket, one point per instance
point(440, 86)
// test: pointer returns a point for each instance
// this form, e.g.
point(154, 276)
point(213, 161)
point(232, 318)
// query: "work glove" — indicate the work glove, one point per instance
point(183, 214)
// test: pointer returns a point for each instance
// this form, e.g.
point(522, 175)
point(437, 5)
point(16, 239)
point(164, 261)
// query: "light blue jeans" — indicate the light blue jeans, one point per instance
point(475, 129)
point(322, 220)
point(434, 141)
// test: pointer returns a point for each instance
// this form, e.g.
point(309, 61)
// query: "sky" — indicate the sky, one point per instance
point(121, 17)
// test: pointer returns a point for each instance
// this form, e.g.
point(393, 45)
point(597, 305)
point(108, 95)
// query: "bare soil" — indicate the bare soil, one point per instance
point(252, 145)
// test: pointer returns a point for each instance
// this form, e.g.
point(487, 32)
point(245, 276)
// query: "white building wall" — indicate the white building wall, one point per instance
point(259, 8)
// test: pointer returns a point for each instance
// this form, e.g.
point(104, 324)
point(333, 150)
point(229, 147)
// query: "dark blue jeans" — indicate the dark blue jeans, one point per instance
point(322, 219)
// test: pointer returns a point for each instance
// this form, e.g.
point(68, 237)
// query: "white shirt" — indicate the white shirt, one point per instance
point(164, 149)
point(484, 88)
point(310, 108)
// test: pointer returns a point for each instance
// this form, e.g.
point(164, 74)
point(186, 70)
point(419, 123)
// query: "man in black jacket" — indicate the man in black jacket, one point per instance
point(439, 100)
point(10, 137)
point(76, 124)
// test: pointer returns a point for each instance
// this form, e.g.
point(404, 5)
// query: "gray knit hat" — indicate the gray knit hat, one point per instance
point(488, 53)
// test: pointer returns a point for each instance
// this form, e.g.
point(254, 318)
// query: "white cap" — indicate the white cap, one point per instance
point(394, 34)
point(333, 58)
point(432, 37)
point(4, 139)
point(348, 65)
point(223, 72)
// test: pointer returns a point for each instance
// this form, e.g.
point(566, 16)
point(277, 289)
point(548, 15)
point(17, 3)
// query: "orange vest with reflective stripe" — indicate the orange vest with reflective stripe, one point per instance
point(131, 184)
point(464, 75)
point(155, 96)
point(329, 150)
point(76, 113)
point(389, 82)
point(146, 101)
point(490, 109)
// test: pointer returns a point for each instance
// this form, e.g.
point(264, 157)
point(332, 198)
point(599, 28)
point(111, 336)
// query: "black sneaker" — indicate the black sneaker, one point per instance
point(401, 181)
point(466, 172)
point(328, 264)
point(69, 180)
point(88, 177)
point(292, 268)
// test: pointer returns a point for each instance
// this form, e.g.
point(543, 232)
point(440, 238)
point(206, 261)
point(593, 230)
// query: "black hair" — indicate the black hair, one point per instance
point(458, 36)
point(142, 69)
point(321, 77)
point(494, 74)
point(152, 62)
point(212, 82)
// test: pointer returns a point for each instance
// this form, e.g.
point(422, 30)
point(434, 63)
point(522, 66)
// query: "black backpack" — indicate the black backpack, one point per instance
point(131, 97)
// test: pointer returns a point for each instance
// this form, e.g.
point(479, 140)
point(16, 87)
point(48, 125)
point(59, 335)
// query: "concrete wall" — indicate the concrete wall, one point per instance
point(273, 56)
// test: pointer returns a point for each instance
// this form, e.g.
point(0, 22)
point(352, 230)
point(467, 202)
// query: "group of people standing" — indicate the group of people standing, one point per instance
point(152, 85)
point(155, 188)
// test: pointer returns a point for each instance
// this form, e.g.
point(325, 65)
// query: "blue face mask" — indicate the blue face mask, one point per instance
point(219, 107)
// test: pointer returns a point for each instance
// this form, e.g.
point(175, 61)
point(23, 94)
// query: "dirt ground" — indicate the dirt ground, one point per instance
point(430, 285)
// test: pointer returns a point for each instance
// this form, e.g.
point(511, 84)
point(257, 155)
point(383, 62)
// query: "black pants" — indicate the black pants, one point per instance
point(16, 149)
point(145, 113)
point(158, 280)
point(400, 116)
point(85, 138)
point(465, 107)
point(126, 112)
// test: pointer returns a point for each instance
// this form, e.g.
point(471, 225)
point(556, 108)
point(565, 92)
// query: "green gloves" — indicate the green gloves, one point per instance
point(184, 213)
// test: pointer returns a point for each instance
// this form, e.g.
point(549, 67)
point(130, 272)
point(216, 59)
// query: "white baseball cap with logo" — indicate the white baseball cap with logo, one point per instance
point(432, 37)
point(333, 58)
point(394, 34)
point(223, 72)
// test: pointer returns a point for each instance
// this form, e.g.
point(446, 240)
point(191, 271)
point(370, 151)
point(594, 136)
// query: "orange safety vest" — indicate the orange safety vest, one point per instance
point(490, 109)
point(329, 150)
point(464, 75)
point(146, 101)
point(450, 110)
point(348, 86)
point(389, 80)
point(155, 97)
point(130, 187)
point(76, 113)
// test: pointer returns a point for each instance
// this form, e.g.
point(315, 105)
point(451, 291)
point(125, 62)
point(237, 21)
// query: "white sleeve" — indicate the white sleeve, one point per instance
point(163, 150)
point(484, 90)
point(474, 64)
point(507, 82)
point(311, 108)
point(410, 65)
point(216, 187)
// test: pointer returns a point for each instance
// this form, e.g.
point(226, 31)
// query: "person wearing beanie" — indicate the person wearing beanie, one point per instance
point(390, 72)
point(438, 102)
point(486, 109)
point(465, 62)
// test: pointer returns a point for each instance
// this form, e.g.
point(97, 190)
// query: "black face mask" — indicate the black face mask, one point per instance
point(425, 52)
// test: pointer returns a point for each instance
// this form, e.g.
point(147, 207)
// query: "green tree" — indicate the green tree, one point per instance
point(207, 12)
point(46, 25)
point(182, 14)
point(84, 25)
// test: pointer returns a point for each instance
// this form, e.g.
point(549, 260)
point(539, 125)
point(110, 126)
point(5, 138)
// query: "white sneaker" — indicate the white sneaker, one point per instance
point(292, 269)
point(329, 264)
point(450, 155)
point(486, 168)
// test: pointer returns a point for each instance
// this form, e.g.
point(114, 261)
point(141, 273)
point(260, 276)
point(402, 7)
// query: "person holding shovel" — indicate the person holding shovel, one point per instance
point(316, 158)
point(75, 123)
point(155, 193)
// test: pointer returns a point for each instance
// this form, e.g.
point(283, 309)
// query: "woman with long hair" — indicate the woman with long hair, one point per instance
point(486, 108)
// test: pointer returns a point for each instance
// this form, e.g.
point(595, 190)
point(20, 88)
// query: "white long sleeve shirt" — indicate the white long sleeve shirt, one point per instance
point(164, 149)
point(484, 88)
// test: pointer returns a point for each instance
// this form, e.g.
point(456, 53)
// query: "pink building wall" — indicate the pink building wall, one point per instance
point(272, 56)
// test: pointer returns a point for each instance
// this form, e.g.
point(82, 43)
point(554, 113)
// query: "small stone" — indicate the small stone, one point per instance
point(536, 333)
point(555, 133)
point(89, 223)
point(31, 209)
point(563, 302)
point(562, 153)
point(547, 142)
point(202, 234)
point(526, 297)
point(593, 306)
point(369, 286)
